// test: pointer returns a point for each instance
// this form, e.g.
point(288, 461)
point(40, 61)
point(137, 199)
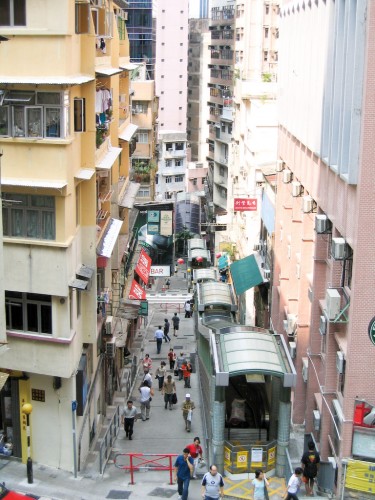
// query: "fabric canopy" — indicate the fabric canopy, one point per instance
point(245, 274)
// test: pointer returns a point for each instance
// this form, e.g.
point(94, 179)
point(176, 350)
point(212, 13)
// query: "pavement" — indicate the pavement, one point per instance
point(163, 433)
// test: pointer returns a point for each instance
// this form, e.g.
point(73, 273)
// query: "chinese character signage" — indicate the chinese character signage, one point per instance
point(136, 291)
point(245, 204)
point(143, 266)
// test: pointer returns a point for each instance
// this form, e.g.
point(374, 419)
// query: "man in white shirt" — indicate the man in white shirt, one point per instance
point(146, 394)
point(158, 336)
point(294, 484)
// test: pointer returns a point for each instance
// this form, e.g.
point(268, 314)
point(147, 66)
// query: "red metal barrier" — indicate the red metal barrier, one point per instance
point(137, 461)
point(168, 305)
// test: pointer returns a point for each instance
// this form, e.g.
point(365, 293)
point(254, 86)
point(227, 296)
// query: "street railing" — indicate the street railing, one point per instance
point(145, 461)
point(109, 439)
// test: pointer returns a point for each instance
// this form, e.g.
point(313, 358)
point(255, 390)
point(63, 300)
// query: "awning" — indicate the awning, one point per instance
point(245, 274)
point(128, 199)
point(79, 284)
point(107, 70)
point(47, 80)
point(85, 272)
point(8, 181)
point(128, 133)
point(85, 174)
point(243, 352)
point(223, 263)
point(3, 378)
point(109, 159)
point(109, 239)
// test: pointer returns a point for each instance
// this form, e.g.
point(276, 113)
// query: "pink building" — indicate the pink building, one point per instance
point(323, 275)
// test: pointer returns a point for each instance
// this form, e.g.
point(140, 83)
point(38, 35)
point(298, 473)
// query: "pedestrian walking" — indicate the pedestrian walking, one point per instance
point(145, 400)
point(147, 362)
point(166, 330)
point(147, 377)
point(294, 484)
point(158, 335)
point(160, 374)
point(187, 308)
point(196, 453)
point(260, 484)
point(167, 283)
point(186, 372)
point(187, 412)
point(212, 484)
point(129, 415)
point(310, 464)
point(175, 269)
point(172, 358)
point(169, 389)
point(183, 468)
point(179, 362)
point(176, 324)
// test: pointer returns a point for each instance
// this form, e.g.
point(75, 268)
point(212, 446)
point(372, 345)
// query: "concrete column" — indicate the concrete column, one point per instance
point(218, 423)
point(283, 434)
point(274, 410)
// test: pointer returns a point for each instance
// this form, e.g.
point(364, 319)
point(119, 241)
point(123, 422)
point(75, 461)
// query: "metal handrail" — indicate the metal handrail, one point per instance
point(108, 439)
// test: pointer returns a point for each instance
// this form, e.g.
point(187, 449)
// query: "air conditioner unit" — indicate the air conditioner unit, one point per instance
point(310, 294)
point(316, 420)
point(322, 325)
point(296, 189)
point(292, 349)
point(338, 248)
point(279, 166)
point(307, 204)
point(110, 348)
point(322, 224)
point(267, 274)
point(108, 325)
point(305, 369)
point(340, 362)
point(287, 176)
point(333, 301)
point(257, 247)
point(292, 323)
point(285, 325)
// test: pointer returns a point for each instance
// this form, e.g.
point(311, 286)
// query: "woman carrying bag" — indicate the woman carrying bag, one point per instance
point(260, 485)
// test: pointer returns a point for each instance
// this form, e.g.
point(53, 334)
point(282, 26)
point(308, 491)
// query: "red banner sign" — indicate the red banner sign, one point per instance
point(136, 291)
point(143, 266)
point(245, 204)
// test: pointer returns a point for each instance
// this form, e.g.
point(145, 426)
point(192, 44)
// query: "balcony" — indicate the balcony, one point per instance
point(221, 76)
point(222, 37)
point(222, 17)
point(223, 57)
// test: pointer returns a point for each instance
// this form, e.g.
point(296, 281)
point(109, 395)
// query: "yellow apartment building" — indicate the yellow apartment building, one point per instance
point(66, 137)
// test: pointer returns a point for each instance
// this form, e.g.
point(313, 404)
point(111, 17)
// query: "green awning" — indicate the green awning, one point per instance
point(245, 274)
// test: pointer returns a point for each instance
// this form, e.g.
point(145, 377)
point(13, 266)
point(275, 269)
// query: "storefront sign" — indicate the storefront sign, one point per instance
point(166, 219)
point(245, 204)
point(143, 309)
point(143, 266)
point(136, 291)
point(160, 271)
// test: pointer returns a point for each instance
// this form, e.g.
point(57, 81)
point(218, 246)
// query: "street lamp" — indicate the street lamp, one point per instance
point(27, 409)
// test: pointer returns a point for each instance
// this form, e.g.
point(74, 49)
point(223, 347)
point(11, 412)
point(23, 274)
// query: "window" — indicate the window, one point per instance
point(169, 179)
point(179, 178)
point(143, 193)
point(168, 163)
point(222, 171)
point(267, 9)
point(178, 163)
point(82, 18)
point(179, 146)
point(142, 136)
point(180, 76)
point(34, 114)
point(194, 181)
point(28, 312)
point(266, 31)
point(265, 55)
point(13, 13)
point(29, 216)
point(139, 107)
point(79, 115)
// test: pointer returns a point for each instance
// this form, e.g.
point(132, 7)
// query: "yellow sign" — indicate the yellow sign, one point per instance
point(271, 456)
point(360, 476)
point(226, 455)
point(242, 457)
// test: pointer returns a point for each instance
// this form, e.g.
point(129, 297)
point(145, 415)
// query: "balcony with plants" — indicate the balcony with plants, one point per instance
point(142, 171)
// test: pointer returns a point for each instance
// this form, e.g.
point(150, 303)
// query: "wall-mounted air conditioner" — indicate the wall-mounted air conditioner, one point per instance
point(287, 176)
point(305, 369)
point(285, 325)
point(279, 166)
point(322, 224)
point(257, 247)
point(307, 204)
point(267, 274)
point(310, 294)
point(338, 248)
point(108, 325)
point(316, 420)
point(340, 362)
point(292, 349)
point(322, 325)
point(110, 348)
point(292, 323)
point(296, 189)
point(333, 301)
